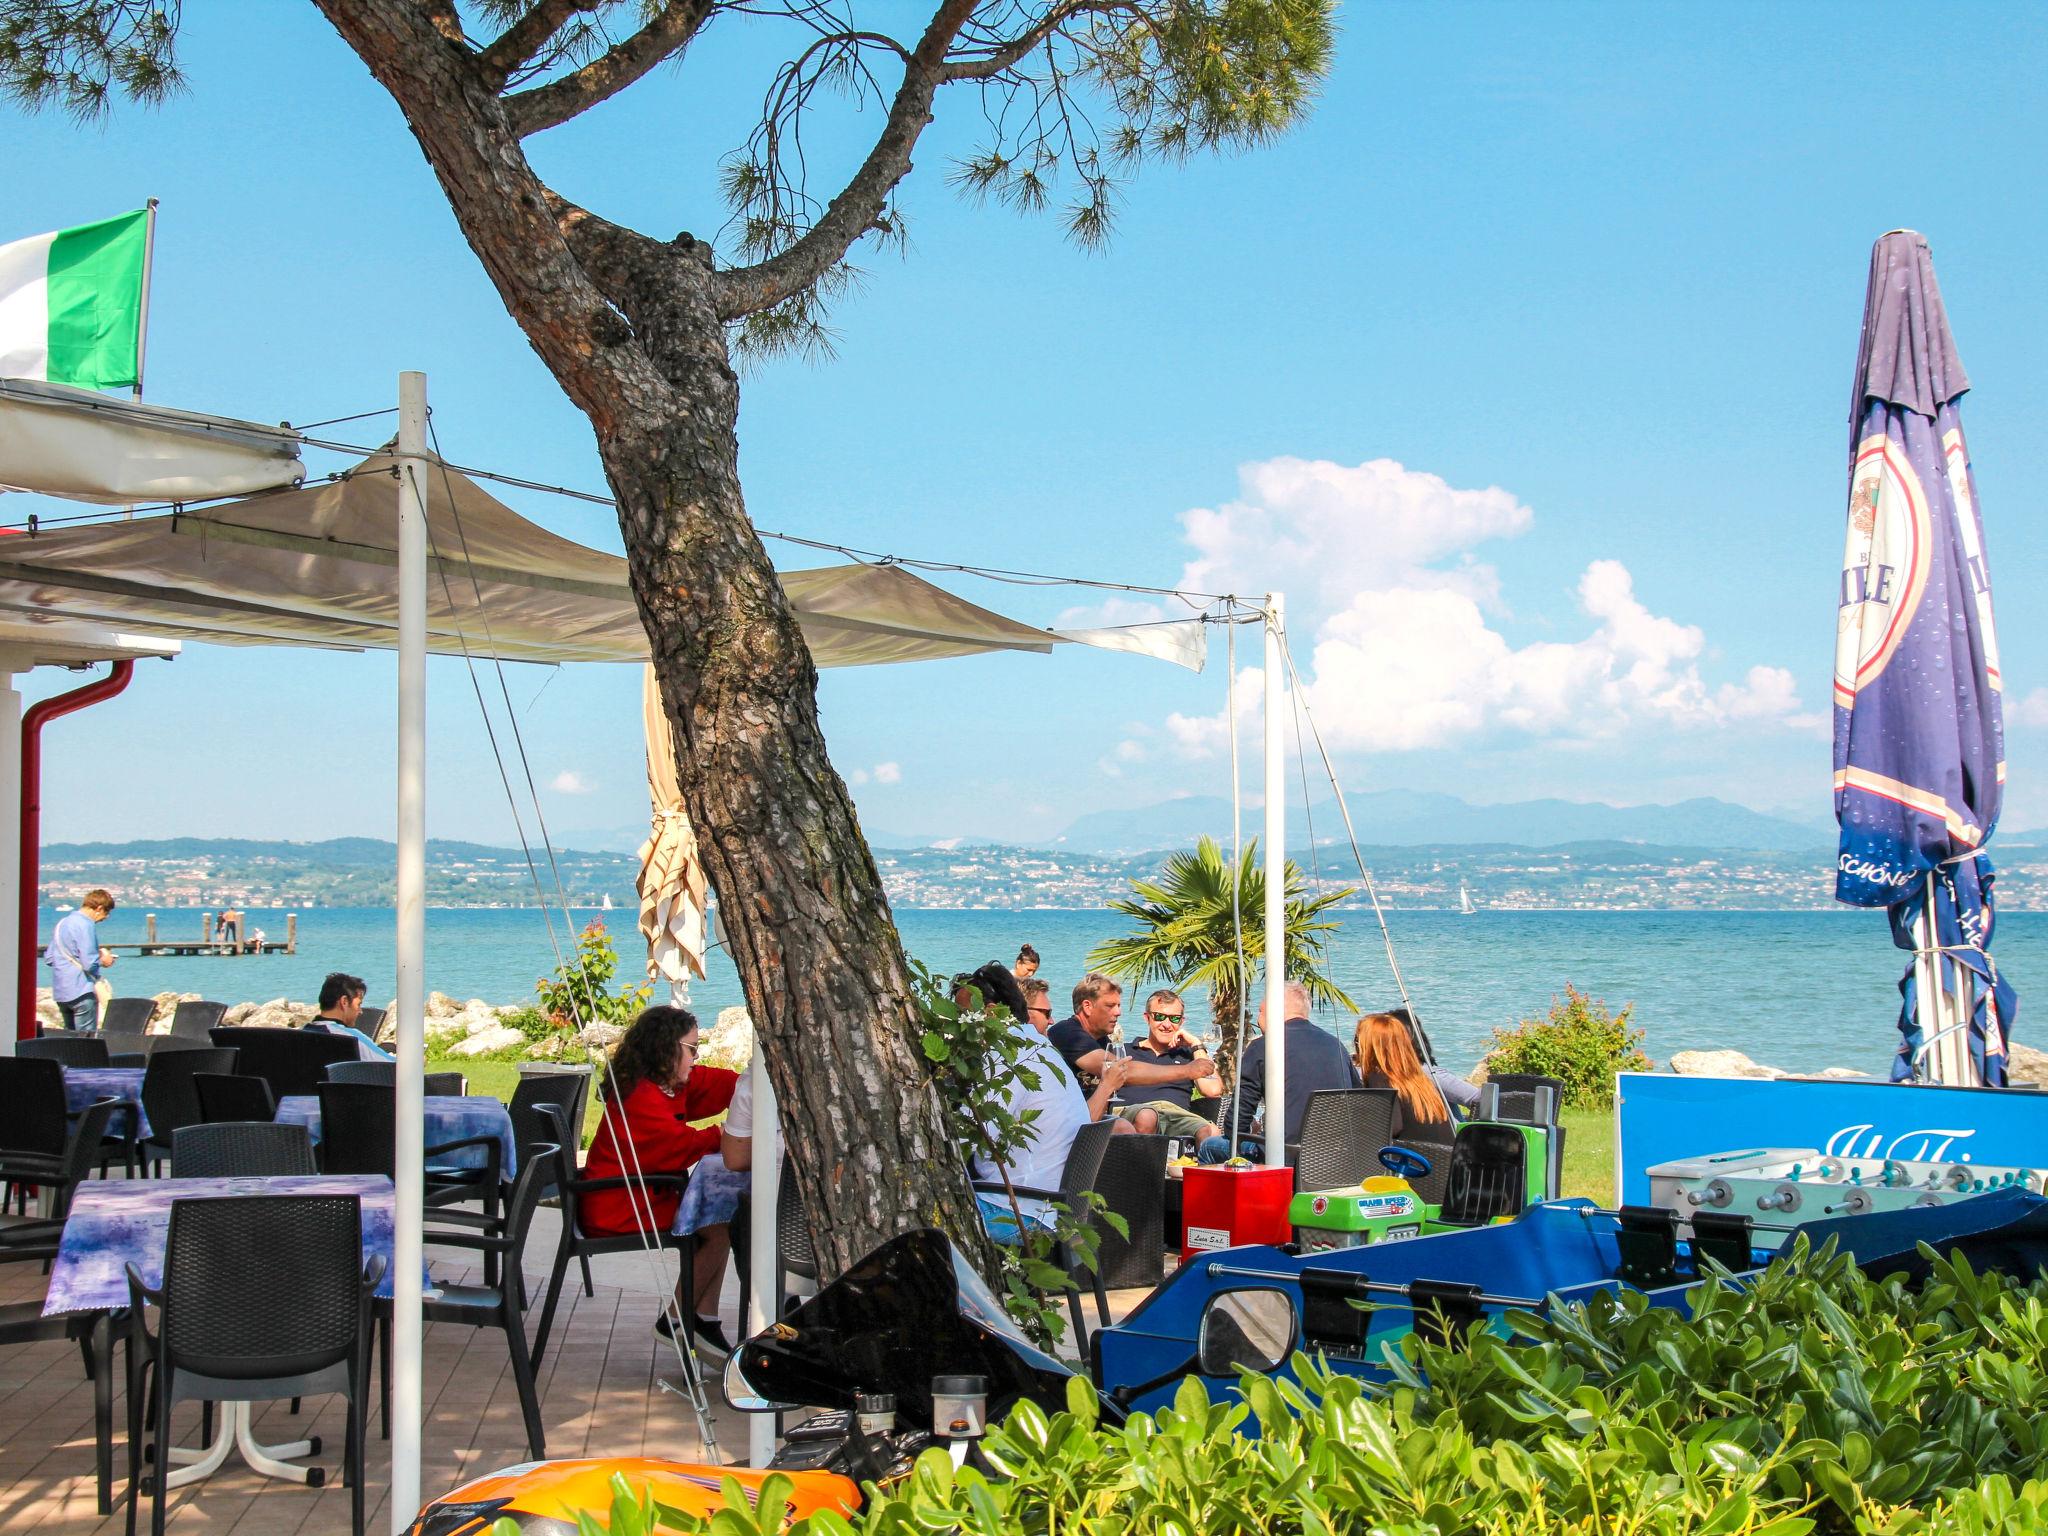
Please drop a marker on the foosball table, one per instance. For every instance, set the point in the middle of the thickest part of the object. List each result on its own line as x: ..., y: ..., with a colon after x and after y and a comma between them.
x: 1805, y: 1184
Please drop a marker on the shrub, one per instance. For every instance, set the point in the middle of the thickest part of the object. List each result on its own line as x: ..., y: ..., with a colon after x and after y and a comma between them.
x: 1815, y: 1400
x: 1579, y: 1042
x: 579, y: 993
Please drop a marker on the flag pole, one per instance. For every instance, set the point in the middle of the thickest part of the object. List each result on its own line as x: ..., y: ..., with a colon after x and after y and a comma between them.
x: 142, y: 318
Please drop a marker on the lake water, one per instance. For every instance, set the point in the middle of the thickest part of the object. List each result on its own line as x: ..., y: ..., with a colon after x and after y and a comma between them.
x: 1801, y: 990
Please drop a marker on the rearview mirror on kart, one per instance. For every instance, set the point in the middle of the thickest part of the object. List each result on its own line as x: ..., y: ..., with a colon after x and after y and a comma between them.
x: 1247, y: 1330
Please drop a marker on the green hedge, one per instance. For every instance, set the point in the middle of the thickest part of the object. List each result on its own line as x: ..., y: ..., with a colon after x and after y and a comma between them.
x: 1579, y: 1042
x: 1814, y: 1400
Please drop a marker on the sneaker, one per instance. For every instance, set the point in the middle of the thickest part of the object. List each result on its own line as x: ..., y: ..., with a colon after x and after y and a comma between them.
x: 710, y: 1335
x: 665, y: 1324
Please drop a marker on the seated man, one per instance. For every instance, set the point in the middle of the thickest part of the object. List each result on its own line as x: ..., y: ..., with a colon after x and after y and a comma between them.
x: 1088, y: 1041
x: 1059, y: 1111
x: 1165, y: 1107
x: 1315, y: 1060
x: 341, y: 1000
x: 1037, y: 1004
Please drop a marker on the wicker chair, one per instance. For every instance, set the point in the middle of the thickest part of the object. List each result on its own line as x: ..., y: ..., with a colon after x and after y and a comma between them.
x: 196, y: 1020
x: 34, y: 1128
x: 224, y: 1097
x: 358, y: 1129
x: 370, y: 1020
x: 60, y: 1176
x: 795, y: 1251
x: 584, y: 1246
x: 1430, y: 1187
x: 264, y: 1297
x: 169, y: 1100
x: 127, y: 1016
x: 292, y: 1061
x: 501, y: 1304
x: 1342, y: 1132
x: 382, y: 1073
x: 1082, y: 1170
x: 1132, y: 1183
x: 241, y: 1149
x: 1519, y: 1096
x: 70, y: 1050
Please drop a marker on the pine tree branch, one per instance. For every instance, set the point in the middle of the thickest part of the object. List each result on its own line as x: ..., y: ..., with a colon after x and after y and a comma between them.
x: 1007, y: 55
x: 666, y: 35
x: 519, y: 43
x: 744, y: 290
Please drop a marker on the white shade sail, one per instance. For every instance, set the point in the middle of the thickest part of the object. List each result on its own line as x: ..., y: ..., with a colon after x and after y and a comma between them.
x: 83, y: 446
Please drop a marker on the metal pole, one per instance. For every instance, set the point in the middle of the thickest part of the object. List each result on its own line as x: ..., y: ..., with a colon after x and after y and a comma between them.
x: 1926, y: 990
x: 142, y: 315
x: 409, y: 1152
x: 764, y: 1279
x: 13, y: 896
x: 1276, y: 884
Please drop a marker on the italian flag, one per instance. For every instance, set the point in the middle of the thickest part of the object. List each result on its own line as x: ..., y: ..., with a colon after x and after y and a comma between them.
x: 71, y: 304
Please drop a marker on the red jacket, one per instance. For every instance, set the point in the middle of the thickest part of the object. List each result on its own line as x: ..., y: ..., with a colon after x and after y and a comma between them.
x: 657, y: 1129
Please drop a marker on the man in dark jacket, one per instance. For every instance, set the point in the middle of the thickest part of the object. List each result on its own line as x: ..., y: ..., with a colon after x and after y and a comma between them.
x: 1315, y: 1060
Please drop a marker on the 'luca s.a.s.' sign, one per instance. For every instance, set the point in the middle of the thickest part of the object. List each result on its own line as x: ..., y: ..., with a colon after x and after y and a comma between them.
x: 1661, y: 1119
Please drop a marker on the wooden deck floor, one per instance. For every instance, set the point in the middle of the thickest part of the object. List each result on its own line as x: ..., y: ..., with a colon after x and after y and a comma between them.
x: 599, y: 1396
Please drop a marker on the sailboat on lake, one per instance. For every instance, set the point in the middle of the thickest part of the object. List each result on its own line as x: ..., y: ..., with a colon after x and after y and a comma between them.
x: 1465, y: 907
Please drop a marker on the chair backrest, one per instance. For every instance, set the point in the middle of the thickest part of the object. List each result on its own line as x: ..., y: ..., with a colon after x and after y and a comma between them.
x: 1433, y: 1185
x: 1489, y: 1175
x: 82, y: 1150
x: 193, y: 1020
x: 224, y: 1098
x: 370, y: 1020
x: 71, y: 1050
x: 385, y: 1072
x: 169, y: 1098
x: 262, y: 1286
x: 567, y: 1092
x: 447, y: 1085
x: 793, y: 1228
x: 358, y: 1123
x: 292, y: 1061
x: 1342, y: 1132
x: 127, y: 1015
x: 1519, y: 1096
x: 32, y: 1115
x: 1084, y: 1157
x: 241, y: 1149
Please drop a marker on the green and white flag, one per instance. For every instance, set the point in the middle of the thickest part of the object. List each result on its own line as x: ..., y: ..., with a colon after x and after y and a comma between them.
x: 71, y: 304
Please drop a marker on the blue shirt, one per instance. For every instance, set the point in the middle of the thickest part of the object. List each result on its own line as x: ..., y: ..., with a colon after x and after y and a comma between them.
x: 366, y: 1048
x: 73, y: 956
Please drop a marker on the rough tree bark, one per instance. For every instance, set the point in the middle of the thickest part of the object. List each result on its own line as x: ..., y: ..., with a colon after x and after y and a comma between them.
x: 634, y: 331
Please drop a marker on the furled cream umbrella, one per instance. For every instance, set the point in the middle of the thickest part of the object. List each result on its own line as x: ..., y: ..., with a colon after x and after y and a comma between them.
x: 671, y: 883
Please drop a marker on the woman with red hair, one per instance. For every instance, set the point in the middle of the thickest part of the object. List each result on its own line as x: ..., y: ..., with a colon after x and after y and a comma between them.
x: 1386, y: 1059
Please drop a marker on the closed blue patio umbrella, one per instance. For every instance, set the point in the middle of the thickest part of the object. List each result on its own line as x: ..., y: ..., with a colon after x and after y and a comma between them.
x: 1919, y: 732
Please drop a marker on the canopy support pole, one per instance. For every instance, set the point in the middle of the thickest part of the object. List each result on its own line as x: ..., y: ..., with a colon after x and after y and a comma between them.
x: 1276, y: 883
x: 1944, y: 1018
x: 13, y: 897
x: 764, y: 1273
x: 409, y: 1151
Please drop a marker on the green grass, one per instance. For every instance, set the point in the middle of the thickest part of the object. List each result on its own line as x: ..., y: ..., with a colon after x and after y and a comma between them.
x: 1588, y: 1154
x: 498, y: 1079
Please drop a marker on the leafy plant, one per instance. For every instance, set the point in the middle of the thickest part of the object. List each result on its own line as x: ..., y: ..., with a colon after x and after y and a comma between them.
x: 1190, y: 934
x: 1579, y: 1042
x: 579, y: 993
x: 1815, y: 1400
x: 975, y: 1054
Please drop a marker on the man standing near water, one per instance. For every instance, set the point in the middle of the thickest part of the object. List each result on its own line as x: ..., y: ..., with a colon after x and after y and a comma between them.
x: 75, y: 959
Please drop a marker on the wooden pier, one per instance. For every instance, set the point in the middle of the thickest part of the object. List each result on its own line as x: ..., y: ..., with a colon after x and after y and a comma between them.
x: 236, y: 941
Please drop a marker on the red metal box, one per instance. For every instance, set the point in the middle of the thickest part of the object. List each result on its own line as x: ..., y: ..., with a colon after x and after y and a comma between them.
x: 1227, y: 1207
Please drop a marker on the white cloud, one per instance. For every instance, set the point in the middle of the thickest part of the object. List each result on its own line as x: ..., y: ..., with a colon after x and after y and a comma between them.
x: 570, y: 782
x: 888, y: 773
x: 1401, y: 647
x: 858, y: 776
x: 1126, y: 752
x: 2031, y: 711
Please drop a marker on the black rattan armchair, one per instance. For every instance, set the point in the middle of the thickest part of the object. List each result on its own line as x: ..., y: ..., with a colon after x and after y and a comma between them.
x: 233, y: 1097
x: 230, y: 1149
x: 1084, y: 1164
x: 69, y: 1050
x: 169, y: 1099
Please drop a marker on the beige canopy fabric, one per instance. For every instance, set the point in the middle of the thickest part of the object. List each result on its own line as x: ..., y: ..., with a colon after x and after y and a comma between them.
x: 84, y: 446
x: 318, y: 566
x: 673, y: 891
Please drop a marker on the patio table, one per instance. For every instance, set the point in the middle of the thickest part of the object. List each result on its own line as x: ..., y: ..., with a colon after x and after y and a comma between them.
x: 84, y: 1086
x: 115, y: 1223
x: 447, y: 1118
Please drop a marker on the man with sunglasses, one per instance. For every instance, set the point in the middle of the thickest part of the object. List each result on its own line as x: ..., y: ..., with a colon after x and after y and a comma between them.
x: 1165, y: 1106
x: 1087, y: 1041
x: 1037, y: 1004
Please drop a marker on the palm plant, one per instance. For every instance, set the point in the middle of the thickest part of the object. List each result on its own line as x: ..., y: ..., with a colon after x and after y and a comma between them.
x: 1189, y: 934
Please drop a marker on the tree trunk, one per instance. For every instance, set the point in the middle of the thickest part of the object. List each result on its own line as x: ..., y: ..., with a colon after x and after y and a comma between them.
x: 627, y: 325
x: 1223, y: 1008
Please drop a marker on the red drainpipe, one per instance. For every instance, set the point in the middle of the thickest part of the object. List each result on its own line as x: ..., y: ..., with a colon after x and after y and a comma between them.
x: 32, y: 720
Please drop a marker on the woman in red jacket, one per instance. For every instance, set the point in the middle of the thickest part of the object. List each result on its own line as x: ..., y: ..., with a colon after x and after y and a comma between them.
x: 654, y: 1090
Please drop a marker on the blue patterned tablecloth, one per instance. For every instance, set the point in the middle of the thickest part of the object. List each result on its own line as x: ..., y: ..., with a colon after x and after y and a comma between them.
x: 85, y: 1085
x: 118, y: 1222
x: 713, y: 1196
x: 447, y: 1119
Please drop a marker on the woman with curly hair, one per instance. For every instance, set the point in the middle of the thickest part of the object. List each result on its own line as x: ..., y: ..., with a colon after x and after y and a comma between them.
x: 654, y: 1090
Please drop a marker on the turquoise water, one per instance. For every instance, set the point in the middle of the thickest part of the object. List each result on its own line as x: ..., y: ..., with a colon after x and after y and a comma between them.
x: 1801, y: 990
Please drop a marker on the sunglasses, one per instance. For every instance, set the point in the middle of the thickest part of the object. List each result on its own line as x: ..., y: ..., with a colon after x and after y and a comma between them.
x: 1166, y: 1018
x: 1046, y: 1011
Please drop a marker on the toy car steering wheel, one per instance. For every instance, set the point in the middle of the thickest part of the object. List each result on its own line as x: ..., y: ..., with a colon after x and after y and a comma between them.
x: 1404, y: 1164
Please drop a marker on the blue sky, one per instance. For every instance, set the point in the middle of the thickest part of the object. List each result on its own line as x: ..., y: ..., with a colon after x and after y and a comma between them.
x: 1523, y: 366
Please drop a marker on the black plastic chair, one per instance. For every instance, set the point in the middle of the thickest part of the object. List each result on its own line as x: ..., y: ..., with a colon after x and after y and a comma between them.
x: 382, y: 1073
x: 169, y: 1099
x: 231, y: 1149
x: 1132, y: 1183
x: 370, y: 1020
x: 60, y: 1176
x: 34, y: 1127
x: 501, y: 1303
x: 568, y: 1093
x: 292, y: 1061
x: 584, y: 1246
x: 127, y: 1016
x: 70, y: 1050
x: 233, y: 1097
x: 359, y: 1125
x: 1519, y: 1097
x: 196, y: 1020
x: 264, y: 1297
x: 1342, y: 1131
x: 1430, y: 1187
x: 1081, y: 1173
x: 795, y: 1251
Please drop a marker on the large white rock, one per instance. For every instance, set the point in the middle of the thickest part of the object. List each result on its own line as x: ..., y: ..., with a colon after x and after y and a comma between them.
x: 2024, y: 1064
x: 1719, y: 1064
x: 497, y: 1038
x: 440, y: 1005
x: 167, y: 1004
x: 729, y: 1042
